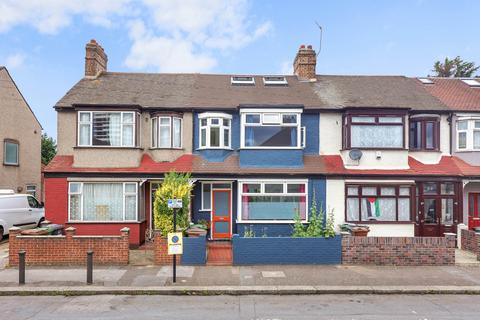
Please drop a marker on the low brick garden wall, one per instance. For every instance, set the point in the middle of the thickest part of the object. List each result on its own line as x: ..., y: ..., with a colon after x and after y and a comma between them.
x: 286, y: 250
x: 69, y: 249
x: 398, y: 251
x: 470, y: 241
x: 194, y: 251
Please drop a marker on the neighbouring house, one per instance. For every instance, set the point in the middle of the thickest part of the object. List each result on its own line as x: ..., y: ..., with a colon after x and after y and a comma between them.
x: 462, y: 96
x: 371, y: 149
x: 20, y: 136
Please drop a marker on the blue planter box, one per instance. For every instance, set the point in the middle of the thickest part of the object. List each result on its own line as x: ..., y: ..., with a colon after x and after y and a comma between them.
x: 194, y: 251
x: 286, y: 250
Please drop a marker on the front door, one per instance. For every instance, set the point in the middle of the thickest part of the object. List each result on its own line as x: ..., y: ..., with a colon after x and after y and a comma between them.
x: 221, y: 214
x: 473, y: 210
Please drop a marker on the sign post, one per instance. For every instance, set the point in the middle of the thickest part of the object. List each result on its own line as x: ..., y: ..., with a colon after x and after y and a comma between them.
x: 175, y: 239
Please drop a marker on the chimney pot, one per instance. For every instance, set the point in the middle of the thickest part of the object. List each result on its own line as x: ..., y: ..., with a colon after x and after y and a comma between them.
x: 305, y: 63
x: 95, y: 59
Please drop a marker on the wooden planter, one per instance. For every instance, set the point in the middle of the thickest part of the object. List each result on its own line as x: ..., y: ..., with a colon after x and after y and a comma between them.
x: 360, y: 232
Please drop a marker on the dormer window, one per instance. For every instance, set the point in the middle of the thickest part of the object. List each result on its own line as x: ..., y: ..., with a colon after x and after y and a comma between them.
x: 242, y: 81
x: 272, y: 128
x: 374, y: 131
x: 105, y: 128
x: 215, y: 130
x: 167, y: 131
x: 272, y: 81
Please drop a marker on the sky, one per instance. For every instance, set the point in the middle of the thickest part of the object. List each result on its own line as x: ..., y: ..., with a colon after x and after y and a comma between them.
x: 43, y: 41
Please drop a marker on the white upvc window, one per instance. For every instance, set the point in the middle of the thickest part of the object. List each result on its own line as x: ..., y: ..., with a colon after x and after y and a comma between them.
x: 272, y: 129
x: 468, y: 134
x: 276, y: 201
x: 31, y: 189
x: 167, y: 132
x: 10, y: 152
x: 215, y: 130
x: 207, y: 188
x: 106, y: 129
x: 102, y: 201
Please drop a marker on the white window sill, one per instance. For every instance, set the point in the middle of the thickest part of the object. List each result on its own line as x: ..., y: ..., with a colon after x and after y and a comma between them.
x: 268, y: 221
x: 214, y: 148
x: 165, y: 148
x: 271, y: 148
x: 467, y: 150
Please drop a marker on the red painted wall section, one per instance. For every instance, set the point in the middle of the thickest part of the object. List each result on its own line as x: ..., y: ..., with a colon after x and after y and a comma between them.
x: 56, y: 211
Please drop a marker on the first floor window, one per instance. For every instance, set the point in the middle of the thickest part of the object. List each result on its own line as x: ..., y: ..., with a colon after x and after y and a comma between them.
x: 167, y: 132
x: 275, y: 200
x: 215, y: 130
x: 468, y: 134
x: 378, y: 203
x: 98, y: 128
x: 374, y: 131
x: 103, y: 201
x: 424, y: 134
x: 10, y: 152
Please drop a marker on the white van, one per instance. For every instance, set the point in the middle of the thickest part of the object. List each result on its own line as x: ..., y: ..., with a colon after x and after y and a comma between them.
x: 19, y: 210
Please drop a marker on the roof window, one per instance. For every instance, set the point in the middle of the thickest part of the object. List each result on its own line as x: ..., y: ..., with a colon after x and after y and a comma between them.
x: 275, y: 81
x: 242, y: 81
x: 425, y: 80
x: 472, y: 82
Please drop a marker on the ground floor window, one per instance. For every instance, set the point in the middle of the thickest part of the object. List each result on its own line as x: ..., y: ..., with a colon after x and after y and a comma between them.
x: 378, y: 203
x: 103, y: 201
x: 31, y: 190
x: 272, y: 200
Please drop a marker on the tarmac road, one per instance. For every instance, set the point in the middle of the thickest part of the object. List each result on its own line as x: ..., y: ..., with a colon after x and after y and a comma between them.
x: 242, y: 307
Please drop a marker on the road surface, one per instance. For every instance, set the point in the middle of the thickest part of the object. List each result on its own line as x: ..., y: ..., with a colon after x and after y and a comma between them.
x: 242, y: 307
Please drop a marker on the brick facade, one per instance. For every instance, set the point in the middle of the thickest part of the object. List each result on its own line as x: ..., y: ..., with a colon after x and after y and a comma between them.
x: 399, y: 251
x: 305, y: 63
x: 160, y: 253
x: 470, y: 241
x: 69, y: 249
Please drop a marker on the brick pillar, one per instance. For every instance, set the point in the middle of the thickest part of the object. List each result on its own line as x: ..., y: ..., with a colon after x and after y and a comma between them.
x: 161, y: 256
x: 13, y: 246
x: 70, y: 232
x: 125, y: 255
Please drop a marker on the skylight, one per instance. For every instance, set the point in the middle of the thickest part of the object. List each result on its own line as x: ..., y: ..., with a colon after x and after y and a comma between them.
x: 275, y: 81
x: 425, y: 80
x: 243, y: 80
x: 472, y: 82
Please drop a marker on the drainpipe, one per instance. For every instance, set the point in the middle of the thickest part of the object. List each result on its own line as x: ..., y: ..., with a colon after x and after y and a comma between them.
x: 449, y: 119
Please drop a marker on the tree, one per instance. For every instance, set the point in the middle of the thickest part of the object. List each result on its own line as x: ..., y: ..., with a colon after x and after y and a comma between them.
x: 49, y: 148
x: 457, y: 68
x: 174, y: 186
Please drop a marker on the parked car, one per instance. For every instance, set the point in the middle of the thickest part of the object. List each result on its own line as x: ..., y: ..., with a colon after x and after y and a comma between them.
x: 19, y: 210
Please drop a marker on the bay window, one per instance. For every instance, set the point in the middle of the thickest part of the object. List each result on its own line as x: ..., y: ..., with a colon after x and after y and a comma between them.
x: 99, y: 128
x: 378, y: 203
x: 424, y: 134
x: 272, y: 129
x: 167, y: 132
x: 468, y: 134
x: 101, y: 202
x: 215, y: 130
x: 272, y: 201
x: 374, y: 131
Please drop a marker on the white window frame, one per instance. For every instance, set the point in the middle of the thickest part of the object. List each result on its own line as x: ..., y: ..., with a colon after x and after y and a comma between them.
x: 211, y: 183
x: 5, y: 153
x: 263, y: 113
x: 155, y: 131
x: 123, y: 123
x: 208, y: 116
x: 80, y: 192
x: 262, y: 183
x: 31, y: 186
x: 469, y: 133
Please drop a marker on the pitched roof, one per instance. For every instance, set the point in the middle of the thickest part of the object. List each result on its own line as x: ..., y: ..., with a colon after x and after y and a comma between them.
x: 214, y: 91
x: 454, y: 93
x: 373, y: 91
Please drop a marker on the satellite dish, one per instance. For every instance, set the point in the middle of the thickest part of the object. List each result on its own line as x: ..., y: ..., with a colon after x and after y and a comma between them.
x: 355, y: 154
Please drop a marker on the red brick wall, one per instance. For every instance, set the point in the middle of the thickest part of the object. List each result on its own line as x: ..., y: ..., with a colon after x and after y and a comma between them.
x: 399, y: 251
x: 469, y: 241
x: 56, y: 211
x: 69, y: 249
x: 160, y: 252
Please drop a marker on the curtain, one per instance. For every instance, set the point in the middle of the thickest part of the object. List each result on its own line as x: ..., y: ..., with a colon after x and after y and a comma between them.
x: 352, y: 209
x: 102, y: 202
x: 293, y: 137
x: 376, y: 136
x: 84, y: 134
x: 127, y: 132
x: 177, y: 133
x: 249, y: 136
x: 403, y: 209
x: 75, y: 207
x: 114, y: 127
x: 381, y: 209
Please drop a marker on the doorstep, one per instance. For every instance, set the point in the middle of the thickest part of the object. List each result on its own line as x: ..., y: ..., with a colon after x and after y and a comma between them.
x: 219, y: 253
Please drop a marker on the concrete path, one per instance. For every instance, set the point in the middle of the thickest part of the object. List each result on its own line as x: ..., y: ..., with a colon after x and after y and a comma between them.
x: 243, y: 307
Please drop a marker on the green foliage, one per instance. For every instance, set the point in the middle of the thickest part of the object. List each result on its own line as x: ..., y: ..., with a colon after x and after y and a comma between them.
x: 456, y: 68
x: 329, y: 226
x: 298, y: 227
x: 49, y: 148
x: 249, y: 233
x: 174, y: 186
x: 316, y: 227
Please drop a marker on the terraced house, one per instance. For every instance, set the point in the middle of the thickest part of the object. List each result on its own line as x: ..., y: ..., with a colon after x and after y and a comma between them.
x: 386, y: 151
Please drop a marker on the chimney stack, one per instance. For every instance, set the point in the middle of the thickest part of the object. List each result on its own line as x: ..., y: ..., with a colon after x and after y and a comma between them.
x: 305, y: 63
x: 95, y: 59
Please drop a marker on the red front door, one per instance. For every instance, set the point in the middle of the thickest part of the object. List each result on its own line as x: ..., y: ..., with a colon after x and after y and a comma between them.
x: 221, y: 214
x: 473, y: 210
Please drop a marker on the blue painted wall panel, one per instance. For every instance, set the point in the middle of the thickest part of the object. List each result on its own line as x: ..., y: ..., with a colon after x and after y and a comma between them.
x: 311, y: 122
x: 194, y: 251
x: 251, y: 251
x: 266, y: 158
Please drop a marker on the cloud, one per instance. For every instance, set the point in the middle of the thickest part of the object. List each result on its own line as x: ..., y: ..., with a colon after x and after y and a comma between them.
x: 179, y: 36
x: 15, y: 60
x: 49, y: 16
x: 286, y: 68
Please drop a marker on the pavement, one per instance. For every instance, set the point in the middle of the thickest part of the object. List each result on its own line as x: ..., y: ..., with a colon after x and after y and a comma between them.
x: 260, y: 307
